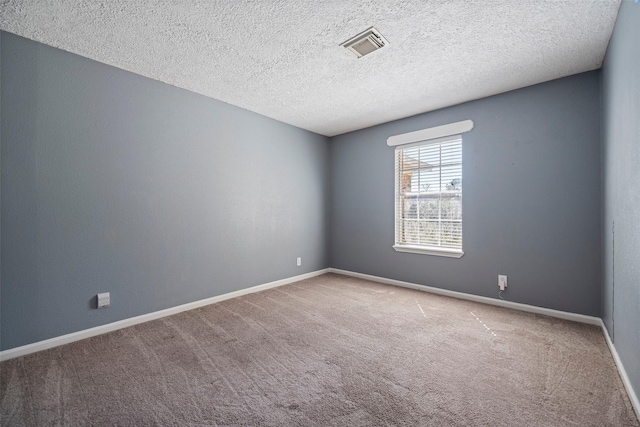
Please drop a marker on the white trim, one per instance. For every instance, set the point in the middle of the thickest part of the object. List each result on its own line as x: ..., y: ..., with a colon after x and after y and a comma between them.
x: 426, y: 143
x: 470, y: 297
x: 109, y: 327
x: 425, y: 250
x: 99, y: 330
x: 633, y: 397
x: 430, y: 133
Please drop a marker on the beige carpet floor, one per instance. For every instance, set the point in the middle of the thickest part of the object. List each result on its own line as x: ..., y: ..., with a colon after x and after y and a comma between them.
x: 328, y: 351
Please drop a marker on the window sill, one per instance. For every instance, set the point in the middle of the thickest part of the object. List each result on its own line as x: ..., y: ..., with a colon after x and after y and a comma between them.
x: 425, y: 250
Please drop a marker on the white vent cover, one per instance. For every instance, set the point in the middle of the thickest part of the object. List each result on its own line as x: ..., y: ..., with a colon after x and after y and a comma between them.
x: 366, y: 42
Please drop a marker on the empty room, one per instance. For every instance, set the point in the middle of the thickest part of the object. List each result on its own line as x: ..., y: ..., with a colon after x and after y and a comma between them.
x: 340, y: 213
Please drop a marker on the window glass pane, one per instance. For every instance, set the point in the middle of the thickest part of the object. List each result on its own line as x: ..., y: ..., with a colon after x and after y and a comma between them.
x: 451, y: 153
x: 429, y: 181
x: 451, y: 234
x: 411, y: 232
x: 410, y: 208
x: 429, y: 207
x: 429, y: 232
x: 430, y: 156
x: 451, y: 178
x: 451, y: 207
x: 410, y: 158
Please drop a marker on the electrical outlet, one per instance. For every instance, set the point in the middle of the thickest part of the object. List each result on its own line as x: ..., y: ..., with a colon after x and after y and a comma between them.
x: 299, y: 261
x: 104, y: 300
x: 502, y: 281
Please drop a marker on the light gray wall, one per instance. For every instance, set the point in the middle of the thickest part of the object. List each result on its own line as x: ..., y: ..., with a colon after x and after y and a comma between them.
x: 531, y: 198
x: 115, y: 182
x: 621, y: 173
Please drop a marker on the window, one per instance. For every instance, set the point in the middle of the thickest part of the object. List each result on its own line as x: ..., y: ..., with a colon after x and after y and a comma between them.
x: 428, y: 194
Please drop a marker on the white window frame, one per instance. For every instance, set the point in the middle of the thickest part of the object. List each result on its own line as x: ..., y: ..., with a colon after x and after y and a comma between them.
x: 435, y: 135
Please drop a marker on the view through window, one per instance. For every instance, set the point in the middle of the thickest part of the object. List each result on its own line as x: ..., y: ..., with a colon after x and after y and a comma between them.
x: 429, y: 195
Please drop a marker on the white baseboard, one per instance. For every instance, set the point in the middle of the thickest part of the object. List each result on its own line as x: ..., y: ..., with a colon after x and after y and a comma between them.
x: 103, y: 329
x: 633, y: 397
x: 109, y: 327
x: 461, y: 295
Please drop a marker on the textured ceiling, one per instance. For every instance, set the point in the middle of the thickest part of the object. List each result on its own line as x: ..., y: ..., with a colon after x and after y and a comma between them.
x: 282, y: 59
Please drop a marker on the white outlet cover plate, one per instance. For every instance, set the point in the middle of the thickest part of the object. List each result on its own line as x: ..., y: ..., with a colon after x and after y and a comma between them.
x: 502, y: 282
x: 104, y: 300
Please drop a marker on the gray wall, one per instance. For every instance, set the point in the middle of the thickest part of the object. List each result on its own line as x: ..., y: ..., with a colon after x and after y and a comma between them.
x: 115, y: 182
x: 621, y: 173
x: 531, y: 198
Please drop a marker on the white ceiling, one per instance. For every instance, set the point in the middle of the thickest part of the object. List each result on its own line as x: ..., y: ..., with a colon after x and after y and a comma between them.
x: 282, y: 59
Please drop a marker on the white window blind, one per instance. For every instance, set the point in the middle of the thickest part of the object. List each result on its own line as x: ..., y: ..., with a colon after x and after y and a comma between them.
x: 429, y: 196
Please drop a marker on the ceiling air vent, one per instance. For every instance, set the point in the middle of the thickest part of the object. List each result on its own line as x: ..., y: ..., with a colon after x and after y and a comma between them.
x: 366, y: 42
